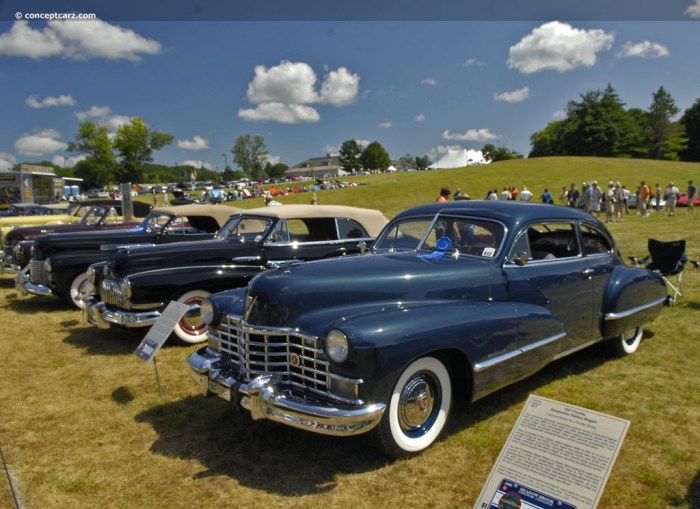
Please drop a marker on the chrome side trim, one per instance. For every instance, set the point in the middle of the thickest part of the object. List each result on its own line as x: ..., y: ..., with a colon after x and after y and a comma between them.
x: 629, y: 312
x: 481, y: 366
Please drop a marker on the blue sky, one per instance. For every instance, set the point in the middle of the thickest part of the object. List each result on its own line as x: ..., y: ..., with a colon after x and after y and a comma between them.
x: 415, y: 86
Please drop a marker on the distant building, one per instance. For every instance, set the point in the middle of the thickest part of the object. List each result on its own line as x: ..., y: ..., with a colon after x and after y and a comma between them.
x: 318, y: 167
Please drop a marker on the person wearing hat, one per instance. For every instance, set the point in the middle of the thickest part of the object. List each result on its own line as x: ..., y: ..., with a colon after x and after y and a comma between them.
x: 596, y: 196
x: 609, y: 202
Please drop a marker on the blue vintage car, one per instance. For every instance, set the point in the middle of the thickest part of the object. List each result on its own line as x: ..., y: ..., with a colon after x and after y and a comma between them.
x: 454, y: 298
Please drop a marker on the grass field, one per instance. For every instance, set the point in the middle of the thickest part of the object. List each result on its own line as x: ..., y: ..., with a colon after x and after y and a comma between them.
x: 82, y: 423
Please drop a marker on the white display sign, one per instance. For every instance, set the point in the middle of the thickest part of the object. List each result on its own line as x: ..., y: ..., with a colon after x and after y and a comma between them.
x: 557, y: 455
x: 159, y: 331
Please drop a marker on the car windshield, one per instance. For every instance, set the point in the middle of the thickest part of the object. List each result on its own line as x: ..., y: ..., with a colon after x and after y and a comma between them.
x: 443, y: 233
x: 93, y: 215
x: 156, y: 221
x: 246, y: 229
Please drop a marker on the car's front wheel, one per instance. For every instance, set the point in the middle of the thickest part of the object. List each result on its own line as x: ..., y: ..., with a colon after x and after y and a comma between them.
x: 627, y: 342
x: 75, y: 293
x: 418, y: 408
x: 191, y: 328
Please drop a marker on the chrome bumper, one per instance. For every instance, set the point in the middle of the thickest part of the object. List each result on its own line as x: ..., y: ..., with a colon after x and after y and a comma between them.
x: 98, y: 314
x: 6, y: 265
x: 21, y: 280
x: 265, y: 400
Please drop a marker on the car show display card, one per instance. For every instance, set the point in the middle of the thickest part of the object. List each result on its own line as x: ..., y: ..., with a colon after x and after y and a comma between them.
x: 159, y: 331
x: 557, y: 455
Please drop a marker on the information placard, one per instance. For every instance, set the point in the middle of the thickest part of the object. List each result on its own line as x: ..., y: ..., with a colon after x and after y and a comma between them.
x: 159, y: 331
x: 556, y: 454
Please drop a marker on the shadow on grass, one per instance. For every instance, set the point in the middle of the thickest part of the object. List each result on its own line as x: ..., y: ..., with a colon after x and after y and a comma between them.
x: 290, y: 462
x: 261, y: 455
x: 112, y: 341
x: 36, y: 304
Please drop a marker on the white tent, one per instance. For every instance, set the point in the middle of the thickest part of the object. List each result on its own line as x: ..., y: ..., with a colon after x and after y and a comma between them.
x: 458, y: 158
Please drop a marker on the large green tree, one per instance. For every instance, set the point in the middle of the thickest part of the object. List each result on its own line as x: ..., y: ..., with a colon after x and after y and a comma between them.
x: 349, y: 156
x: 493, y: 153
x: 135, y: 143
x: 691, y: 121
x: 374, y: 157
x: 100, y: 165
x: 666, y: 138
x: 250, y: 154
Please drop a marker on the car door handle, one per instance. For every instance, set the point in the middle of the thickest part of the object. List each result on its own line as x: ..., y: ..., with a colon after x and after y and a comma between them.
x: 587, y: 273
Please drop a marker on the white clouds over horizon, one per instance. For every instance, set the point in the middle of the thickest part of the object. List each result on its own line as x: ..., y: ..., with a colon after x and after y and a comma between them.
x: 40, y: 143
x: 196, y: 143
x: 7, y: 161
x: 514, y: 96
x: 470, y: 135
x: 76, y: 40
x: 103, y: 115
x: 558, y: 46
x: 646, y: 49
x: 694, y: 10
x: 429, y: 81
x: 48, y: 102
x: 283, y: 93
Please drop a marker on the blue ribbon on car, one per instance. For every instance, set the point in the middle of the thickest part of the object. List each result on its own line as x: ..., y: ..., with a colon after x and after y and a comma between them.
x: 441, y: 246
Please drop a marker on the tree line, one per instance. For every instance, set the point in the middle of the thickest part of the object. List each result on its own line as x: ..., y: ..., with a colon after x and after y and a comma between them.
x: 599, y: 125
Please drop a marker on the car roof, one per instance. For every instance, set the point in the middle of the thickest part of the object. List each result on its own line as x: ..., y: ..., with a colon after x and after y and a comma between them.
x: 221, y: 213
x: 371, y: 219
x: 511, y: 213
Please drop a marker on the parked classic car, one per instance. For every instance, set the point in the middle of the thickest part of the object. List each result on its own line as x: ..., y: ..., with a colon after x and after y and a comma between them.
x: 97, y: 215
x: 137, y: 284
x: 463, y: 296
x: 59, y: 261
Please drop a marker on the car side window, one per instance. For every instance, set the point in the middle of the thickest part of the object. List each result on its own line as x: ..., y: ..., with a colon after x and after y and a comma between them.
x: 594, y: 241
x: 547, y: 241
x: 350, y: 229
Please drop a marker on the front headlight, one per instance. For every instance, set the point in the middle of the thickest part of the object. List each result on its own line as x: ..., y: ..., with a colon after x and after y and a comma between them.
x: 125, y: 287
x: 337, y: 346
x: 47, y: 265
x: 210, y: 313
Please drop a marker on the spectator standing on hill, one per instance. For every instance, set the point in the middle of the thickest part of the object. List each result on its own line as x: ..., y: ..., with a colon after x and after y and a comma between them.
x: 609, y: 202
x: 444, y: 194
x: 505, y: 194
x: 563, y: 196
x: 691, y: 197
x: 574, y: 196
x: 546, y: 196
x: 644, y: 195
x: 492, y: 195
x: 658, y: 197
x: 619, y: 202
x: 525, y: 194
x: 596, y: 196
x: 671, y: 196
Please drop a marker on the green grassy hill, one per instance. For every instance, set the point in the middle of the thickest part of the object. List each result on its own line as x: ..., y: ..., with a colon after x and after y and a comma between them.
x: 393, y: 192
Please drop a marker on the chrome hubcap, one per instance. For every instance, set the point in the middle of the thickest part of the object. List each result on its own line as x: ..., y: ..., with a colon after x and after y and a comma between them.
x: 416, y: 403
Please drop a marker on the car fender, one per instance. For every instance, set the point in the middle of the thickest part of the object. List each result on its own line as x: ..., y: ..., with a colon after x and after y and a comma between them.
x: 479, y: 337
x: 633, y: 297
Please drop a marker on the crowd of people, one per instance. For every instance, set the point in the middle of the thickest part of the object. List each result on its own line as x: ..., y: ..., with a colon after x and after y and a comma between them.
x: 614, y: 200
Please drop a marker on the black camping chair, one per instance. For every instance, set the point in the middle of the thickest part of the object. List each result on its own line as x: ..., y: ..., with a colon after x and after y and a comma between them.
x: 669, y: 260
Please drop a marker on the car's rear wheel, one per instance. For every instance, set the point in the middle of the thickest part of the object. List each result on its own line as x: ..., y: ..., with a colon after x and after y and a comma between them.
x: 191, y: 328
x: 627, y: 342
x: 418, y: 408
x: 79, y: 284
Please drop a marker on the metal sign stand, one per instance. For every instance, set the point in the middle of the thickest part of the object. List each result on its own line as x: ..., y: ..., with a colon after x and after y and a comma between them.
x: 161, y: 387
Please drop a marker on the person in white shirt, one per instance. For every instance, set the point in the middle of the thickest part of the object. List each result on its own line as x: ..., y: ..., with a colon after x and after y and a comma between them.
x: 525, y: 194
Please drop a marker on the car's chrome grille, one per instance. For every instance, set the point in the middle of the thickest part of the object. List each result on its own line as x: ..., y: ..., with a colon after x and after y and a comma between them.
x: 255, y: 351
x: 111, y: 294
x: 37, y: 272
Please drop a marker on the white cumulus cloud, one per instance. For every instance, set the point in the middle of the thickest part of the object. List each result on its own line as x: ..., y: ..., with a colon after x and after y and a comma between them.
x: 40, y: 143
x: 558, y: 46
x: 283, y: 93
x: 69, y: 162
x: 420, y: 117
x: 514, y: 96
x: 7, y: 161
x: 470, y: 135
x: 646, y: 49
x: 384, y: 125
x: 62, y: 100
x: 694, y: 10
x: 103, y: 115
x: 76, y: 40
x: 429, y: 81
x: 196, y: 143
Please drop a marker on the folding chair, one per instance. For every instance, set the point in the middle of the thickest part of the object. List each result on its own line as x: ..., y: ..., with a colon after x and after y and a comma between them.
x: 669, y: 260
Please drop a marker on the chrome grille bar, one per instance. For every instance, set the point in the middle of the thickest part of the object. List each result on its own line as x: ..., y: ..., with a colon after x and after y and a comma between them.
x: 37, y: 272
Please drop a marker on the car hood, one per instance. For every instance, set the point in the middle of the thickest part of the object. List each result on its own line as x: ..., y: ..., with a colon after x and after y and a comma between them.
x: 30, y: 232
x: 280, y: 297
x: 91, y: 239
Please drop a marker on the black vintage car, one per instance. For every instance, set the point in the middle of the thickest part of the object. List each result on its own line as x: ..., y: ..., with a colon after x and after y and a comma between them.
x: 93, y: 216
x: 459, y: 297
x: 59, y: 261
x: 136, y: 284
